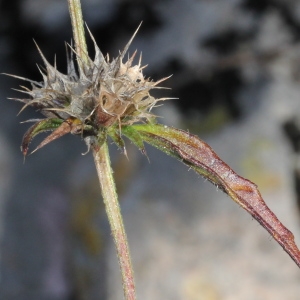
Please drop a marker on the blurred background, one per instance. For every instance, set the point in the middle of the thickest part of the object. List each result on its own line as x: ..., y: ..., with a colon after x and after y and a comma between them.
x: 236, y: 74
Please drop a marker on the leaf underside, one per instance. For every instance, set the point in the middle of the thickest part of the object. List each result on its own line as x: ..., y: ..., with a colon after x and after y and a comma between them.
x: 198, y: 155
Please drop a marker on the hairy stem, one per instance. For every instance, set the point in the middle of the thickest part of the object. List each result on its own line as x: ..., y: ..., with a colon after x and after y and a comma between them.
x: 102, y: 162
x: 78, y: 31
x: 112, y: 207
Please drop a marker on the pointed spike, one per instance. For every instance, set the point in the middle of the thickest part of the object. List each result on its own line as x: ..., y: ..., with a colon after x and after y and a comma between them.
x: 28, y: 92
x: 117, y: 62
x: 43, y: 74
x: 52, y: 72
x: 31, y: 120
x: 99, y: 58
x: 130, y: 60
x: 71, y: 71
x: 166, y: 98
x: 18, y: 99
x: 143, y: 67
x: 28, y: 104
x: 25, y: 90
x: 140, y: 60
x: 81, y: 70
x: 23, y: 78
x: 47, y: 64
x: 160, y: 88
x: 121, y: 56
x: 82, y: 75
x: 161, y: 80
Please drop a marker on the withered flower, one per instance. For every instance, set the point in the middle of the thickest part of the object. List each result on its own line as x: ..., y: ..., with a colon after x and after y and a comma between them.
x: 94, y: 102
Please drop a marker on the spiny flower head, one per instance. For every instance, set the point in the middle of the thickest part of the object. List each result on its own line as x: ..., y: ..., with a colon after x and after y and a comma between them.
x: 101, y: 97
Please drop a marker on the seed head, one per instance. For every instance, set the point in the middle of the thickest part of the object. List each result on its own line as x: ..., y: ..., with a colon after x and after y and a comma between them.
x: 100, y: 96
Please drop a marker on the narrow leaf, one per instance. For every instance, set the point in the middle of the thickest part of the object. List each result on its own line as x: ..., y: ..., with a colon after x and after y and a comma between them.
x: 40, y: 126
x: 198, y: 155
x: 71, y: 125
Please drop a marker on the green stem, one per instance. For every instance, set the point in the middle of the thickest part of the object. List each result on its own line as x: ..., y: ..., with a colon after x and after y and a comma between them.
x: 103, y: 166
x: 78, y: 31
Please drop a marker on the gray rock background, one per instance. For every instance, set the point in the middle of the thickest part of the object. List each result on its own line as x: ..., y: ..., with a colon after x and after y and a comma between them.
x: 188, y: 240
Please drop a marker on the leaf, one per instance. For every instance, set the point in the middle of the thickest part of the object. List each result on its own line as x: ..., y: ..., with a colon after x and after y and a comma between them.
x: 70, y: 125
x: 198, y: 155
x: 116, y: 137
x: 40, y: 126
x: 131, y: 133
x: 58, y: 126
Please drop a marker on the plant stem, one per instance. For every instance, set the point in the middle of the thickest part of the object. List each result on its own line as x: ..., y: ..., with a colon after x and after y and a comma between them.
x: 78, y: 31
x: 102, y: 162
x: 103, y: 166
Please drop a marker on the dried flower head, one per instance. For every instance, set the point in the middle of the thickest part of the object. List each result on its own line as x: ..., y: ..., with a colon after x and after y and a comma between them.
x: 100, y: 97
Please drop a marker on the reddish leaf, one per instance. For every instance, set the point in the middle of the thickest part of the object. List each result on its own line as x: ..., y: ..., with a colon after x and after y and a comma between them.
x: 41, y: 126
x: 70, y: 125
x: 197, y: 154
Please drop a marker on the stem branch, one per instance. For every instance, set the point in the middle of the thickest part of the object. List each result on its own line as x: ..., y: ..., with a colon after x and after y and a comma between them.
x: 103, y: 166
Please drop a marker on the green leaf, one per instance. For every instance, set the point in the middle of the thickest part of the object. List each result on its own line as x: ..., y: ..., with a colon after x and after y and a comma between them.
x: 132, y: 134
x: 200, y: 156
x: 41, y: 126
